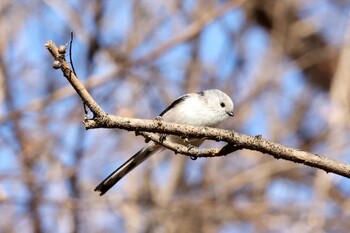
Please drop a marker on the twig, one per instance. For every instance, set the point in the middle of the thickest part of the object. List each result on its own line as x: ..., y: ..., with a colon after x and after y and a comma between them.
x: 70, y: 52
x: 189, y: 151
x: 73, y: 80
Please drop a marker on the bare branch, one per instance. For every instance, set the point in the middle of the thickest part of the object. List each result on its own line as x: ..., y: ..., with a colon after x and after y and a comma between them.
x: 235, y: 140
x: 256, y: 143
x: 190, y: 151
x: 60, y: 62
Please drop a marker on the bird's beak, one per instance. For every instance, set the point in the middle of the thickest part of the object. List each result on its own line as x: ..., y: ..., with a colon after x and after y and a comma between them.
x: 230, y: 113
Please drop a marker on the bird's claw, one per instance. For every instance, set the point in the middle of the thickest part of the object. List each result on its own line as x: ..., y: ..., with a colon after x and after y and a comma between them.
x: 162, y: 138
x: 189, y: 147
x: 159, y: 120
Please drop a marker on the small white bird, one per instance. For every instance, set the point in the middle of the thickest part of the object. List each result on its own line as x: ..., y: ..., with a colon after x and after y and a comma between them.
x: 205, y: 108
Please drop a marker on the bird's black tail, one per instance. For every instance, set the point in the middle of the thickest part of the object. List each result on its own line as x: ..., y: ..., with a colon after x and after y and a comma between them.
x: 124, y: 169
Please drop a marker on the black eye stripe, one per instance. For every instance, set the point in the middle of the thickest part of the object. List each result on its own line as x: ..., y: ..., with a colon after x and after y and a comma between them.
x: 222, y: 104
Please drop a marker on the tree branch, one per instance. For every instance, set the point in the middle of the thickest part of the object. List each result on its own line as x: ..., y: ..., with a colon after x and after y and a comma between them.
x: 61, y: 63
x: 190, y: 151
x: 147, y: 128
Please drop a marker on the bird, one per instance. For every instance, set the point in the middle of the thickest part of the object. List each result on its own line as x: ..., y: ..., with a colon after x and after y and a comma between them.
x: 203, y: 108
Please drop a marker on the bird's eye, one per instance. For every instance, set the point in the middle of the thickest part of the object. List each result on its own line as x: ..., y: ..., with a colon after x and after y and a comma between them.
x: 222, y: 104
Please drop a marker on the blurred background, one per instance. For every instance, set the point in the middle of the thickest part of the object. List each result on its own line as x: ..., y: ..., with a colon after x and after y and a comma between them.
x: 285, y: 64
